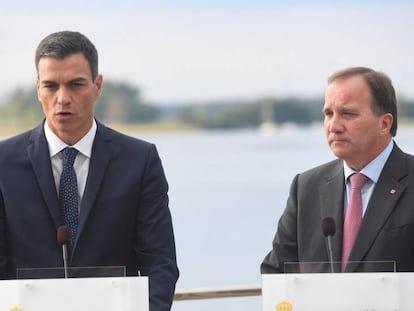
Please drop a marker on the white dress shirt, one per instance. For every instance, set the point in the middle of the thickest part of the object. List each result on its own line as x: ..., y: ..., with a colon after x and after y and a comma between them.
x: 81, y: 165
x: 372, y: 170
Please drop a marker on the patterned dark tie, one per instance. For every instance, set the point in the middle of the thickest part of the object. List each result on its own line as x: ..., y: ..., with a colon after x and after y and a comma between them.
x: 68, y: 192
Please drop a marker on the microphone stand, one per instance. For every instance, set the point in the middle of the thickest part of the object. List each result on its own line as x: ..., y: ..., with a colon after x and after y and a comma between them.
x: 330, y: 253
x: 63, y: 237
x: 328, y: 229
x: 65, y: 259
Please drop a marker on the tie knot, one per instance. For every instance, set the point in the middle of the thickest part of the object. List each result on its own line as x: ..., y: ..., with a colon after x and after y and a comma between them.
x: 69, y: 155
x: 358, y: 180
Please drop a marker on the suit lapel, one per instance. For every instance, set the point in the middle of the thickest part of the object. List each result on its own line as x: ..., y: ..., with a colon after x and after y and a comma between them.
x: 97, y: 166
x: 331, y: 195
x: 38, y: 152
x: 384, y: 199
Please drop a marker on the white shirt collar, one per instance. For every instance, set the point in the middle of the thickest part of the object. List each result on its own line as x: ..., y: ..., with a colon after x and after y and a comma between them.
x: 84, y: 145
x: 374, y: 168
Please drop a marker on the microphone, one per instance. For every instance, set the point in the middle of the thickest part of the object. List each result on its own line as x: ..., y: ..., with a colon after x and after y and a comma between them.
x: 63, y: 237
x: 328, y: 229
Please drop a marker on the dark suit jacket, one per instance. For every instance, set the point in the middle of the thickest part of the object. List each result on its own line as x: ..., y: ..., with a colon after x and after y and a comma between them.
x: 124, y: 216
x: 386, y: 232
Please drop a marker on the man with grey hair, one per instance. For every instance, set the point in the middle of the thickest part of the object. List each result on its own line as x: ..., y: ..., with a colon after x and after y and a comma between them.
x: 374, y: 223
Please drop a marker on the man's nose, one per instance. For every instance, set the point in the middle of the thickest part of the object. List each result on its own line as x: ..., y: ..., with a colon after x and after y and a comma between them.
x: 335, y: 124
x: 63, y: 96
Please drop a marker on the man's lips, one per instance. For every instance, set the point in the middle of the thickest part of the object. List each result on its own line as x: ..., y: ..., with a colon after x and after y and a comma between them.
x: 64, y: 113
x: 338, y: 140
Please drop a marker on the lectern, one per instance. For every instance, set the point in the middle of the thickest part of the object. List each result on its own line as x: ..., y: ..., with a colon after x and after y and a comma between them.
x: 95, y: 293
x: 372, y: 291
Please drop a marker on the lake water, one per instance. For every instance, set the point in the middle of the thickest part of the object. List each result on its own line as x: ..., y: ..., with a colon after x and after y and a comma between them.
x: 227, y: 192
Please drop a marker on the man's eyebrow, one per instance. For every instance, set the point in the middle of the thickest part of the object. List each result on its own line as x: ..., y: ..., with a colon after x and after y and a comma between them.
x: 325, y: 109
x: 47, y: 81
x: 345, y: 108
x: 79, y: 79
x: 342, y: 108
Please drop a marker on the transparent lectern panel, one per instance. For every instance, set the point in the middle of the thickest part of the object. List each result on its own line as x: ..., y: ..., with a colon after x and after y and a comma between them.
x: 70, y: 272
x: 333, y: 267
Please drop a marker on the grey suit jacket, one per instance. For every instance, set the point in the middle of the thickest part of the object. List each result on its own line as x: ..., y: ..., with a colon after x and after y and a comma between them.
x: 124, y: 216
x: 387, y: 228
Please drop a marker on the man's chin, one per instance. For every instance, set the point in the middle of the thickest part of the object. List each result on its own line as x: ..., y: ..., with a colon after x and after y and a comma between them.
x: 340, y: 152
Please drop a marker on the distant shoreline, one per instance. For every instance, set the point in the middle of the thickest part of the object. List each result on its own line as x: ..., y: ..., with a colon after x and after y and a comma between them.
x: 11, y: 129
x: 14, y: 129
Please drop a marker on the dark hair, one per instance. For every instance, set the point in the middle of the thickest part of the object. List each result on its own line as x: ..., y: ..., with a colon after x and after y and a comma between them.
x: 65, y: 43
x: 380, y: 85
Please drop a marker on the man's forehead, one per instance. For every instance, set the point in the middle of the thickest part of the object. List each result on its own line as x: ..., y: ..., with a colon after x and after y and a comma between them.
x: 74, y: 66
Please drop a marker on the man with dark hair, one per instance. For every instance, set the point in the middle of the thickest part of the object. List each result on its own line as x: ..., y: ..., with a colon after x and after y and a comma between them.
x: 377, y: 225
x: 117, y: 204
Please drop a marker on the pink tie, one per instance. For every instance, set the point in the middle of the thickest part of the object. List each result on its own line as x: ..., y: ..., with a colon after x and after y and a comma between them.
x: 353, y: 215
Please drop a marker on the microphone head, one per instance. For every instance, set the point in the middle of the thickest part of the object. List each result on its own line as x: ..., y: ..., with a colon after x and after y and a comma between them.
x: 63, y: 235
x: 328, y: 226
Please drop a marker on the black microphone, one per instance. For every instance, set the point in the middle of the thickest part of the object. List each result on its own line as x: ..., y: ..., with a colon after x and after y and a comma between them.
x: 328, y: 229
x: 63, y: 237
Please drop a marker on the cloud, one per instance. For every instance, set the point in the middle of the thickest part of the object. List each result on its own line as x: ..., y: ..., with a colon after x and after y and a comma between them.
x: 178, y: 54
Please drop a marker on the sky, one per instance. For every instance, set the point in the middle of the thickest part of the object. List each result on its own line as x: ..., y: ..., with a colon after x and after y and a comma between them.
x: 200, y: 50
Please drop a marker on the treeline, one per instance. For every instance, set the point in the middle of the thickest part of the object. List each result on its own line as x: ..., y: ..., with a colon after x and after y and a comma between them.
x: 122, y: 103
x: 119, y: 103
x: 239, y: 114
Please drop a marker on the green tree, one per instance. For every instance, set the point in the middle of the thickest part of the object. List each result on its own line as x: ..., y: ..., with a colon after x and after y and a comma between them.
x: 21, y: 106
x: 122, y: 103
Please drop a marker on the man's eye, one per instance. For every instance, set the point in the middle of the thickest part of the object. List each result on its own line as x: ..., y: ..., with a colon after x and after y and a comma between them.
x: 348, y: 113
x: 49, y: 85
x: 77, y: 84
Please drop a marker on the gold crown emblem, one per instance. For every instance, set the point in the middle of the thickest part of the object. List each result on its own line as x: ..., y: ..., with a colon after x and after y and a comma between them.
x: 284, y: 306
x: 16, y: 309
